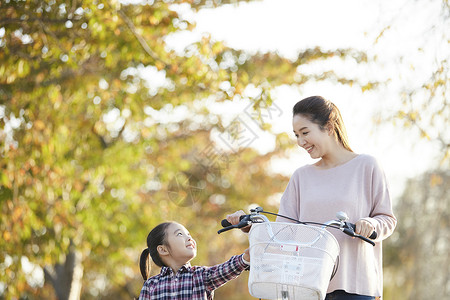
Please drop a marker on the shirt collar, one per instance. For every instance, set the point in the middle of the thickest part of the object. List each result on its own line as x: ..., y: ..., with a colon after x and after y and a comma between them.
x: 185, y: 267
x: 167, y: 271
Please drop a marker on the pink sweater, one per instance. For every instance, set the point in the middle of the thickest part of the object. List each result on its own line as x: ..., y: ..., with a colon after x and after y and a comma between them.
x: 358, y: 188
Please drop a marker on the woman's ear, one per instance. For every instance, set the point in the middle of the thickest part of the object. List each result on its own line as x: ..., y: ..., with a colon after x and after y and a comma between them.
x: 162, y: 250
x: 329, y: 128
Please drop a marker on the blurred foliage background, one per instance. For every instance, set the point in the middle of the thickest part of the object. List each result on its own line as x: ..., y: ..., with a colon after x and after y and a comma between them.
x: 106, y: 132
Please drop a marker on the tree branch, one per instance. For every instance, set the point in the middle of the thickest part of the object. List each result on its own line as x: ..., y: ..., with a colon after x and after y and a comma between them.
x: 7, y: 21
x: 140, y: 39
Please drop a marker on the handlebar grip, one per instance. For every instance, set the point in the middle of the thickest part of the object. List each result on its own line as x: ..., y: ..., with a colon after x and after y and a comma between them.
x: 372, y: 236
x: 351, y: 232
x: 244, y: 221
x: 225, y: 222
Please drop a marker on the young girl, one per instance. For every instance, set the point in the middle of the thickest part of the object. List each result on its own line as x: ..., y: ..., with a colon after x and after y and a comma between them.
x: 171, y: 247
x: 340, y: 180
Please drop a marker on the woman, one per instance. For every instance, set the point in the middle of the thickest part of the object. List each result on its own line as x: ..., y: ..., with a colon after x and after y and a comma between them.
x: 340, y: 180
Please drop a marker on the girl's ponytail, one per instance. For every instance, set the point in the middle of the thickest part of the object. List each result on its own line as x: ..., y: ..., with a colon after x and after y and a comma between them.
x: 155, y: 238
x: 144, y: 264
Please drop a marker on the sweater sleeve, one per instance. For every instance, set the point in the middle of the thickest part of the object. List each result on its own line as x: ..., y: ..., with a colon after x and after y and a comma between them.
x: 381, y: 215
x: 218, y: 275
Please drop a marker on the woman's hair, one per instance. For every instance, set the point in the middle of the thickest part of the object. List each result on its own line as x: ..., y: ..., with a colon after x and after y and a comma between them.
x: 323, y: 112
x: 155, y: 238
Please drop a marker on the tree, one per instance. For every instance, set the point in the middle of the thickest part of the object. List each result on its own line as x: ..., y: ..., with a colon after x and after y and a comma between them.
x: 418, y: 250
x: 425, y: 106
x: 94, y: 153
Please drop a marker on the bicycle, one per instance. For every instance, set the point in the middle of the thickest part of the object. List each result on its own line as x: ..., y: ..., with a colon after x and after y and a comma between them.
x: 292, y: 261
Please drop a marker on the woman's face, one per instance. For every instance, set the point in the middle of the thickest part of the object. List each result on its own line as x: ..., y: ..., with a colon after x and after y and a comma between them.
x: 310, y: 137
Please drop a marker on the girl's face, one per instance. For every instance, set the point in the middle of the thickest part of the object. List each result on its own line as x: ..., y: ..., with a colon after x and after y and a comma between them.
x: 310, y: 137
x: 182, y: 246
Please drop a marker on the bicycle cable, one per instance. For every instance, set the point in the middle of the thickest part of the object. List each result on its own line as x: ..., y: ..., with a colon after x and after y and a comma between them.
x: 298, y: 221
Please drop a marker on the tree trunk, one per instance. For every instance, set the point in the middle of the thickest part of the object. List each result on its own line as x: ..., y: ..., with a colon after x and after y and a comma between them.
x: 66, y: 277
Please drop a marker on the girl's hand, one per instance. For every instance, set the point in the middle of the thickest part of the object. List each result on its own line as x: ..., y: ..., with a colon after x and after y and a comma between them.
x: 234, y: 219
x: 364, y: 228
x: 247, y: 255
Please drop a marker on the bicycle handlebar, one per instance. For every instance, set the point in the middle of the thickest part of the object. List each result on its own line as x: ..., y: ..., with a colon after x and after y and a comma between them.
x: 346, y: 227
x: 349, y: 229
x: 244, y: 221
x: 225, y: 222
x: 353, y: 226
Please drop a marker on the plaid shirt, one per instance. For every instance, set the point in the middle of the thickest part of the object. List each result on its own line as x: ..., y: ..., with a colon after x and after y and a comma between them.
x: 191, y: 283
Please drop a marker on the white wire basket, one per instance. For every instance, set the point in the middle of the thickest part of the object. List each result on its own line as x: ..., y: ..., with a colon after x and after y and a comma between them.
x: 290, y: 261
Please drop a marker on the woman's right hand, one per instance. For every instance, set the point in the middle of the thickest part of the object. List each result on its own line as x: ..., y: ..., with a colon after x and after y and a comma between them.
x: 234, y: 219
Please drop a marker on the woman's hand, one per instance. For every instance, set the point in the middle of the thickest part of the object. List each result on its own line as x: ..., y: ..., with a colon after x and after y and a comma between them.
x: 364, y: 228
x: 234, y: 219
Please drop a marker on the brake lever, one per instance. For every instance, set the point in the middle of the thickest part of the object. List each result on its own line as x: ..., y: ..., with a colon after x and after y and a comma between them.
x: 226, y: 229
x: 350, y: 231
x: 244, y: 222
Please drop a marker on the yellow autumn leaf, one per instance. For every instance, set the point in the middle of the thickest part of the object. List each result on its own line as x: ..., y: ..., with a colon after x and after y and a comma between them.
x: 39, y: 125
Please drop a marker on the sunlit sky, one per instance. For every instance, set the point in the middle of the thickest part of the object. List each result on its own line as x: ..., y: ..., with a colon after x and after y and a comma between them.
x: 289, y: 26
